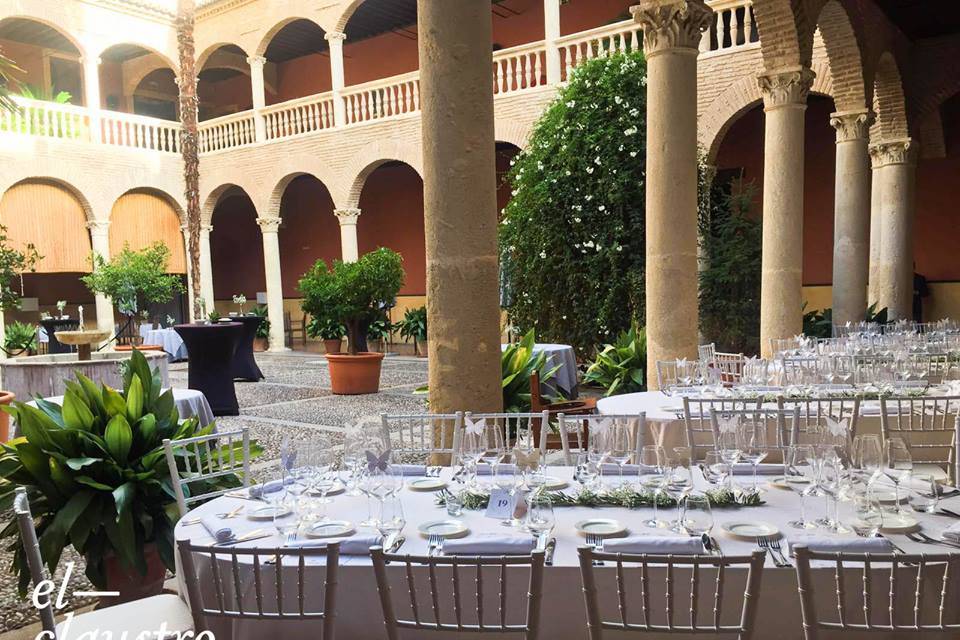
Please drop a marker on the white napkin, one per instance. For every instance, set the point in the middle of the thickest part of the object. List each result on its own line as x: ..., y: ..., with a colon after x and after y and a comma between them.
x: 217, y: 529
x: 664, y: 545
x: 410, y: 469
x: 274, y: 485
x: 869, y: 409
x: 746, y: 469
x: 952, y: 533
x: 487, y: 470
x: 823, y: 544
x: 356, y: 545
x: 609, y: 468
x: 491, y: 544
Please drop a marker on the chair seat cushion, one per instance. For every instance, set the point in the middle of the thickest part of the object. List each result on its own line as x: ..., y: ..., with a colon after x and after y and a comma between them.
x: 132, y: 618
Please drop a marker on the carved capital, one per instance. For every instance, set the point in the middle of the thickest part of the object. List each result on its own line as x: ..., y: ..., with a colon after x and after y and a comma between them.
x: 785, y: 87
x: 347, y: 216
x: 671, y: 24
x: 98, y: 227
x: 257, y: 61
x: 269, y: 225
x: 206, y: 228
x: 892, y: 152
x: 330, y: 36
x: 852, y: 125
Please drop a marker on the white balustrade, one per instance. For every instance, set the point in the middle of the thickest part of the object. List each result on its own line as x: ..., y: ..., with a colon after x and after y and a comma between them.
x: 46, y: 119
x: 383, y: 98
x: 577, y: 48
x: 519, y: 68
x: 227, y: 132
x: 733, y: 26
x: 299, y: 116
x: 127, y: 130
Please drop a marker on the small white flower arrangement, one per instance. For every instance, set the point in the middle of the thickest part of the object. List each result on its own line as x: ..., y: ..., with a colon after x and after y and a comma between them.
x: 61, y: 307
x: 240, y: 299
x: 171, y: 321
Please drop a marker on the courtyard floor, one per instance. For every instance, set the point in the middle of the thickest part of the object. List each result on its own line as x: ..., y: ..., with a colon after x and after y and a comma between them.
x: 294, y: 400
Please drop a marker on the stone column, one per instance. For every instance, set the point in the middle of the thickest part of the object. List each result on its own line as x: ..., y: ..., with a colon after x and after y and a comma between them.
x: 91, y: 97
x: 206, y: 266
x: 349, y: 251
x: 896, y: 164
x: 100, y: 243
x: 851, y: 215
x: 259, y: 95
x: 875, y: 228
x: 270, y: 228
x: 335, y: 38
x: 781, y: 290
x: 460, y: 205
x: 671, y: 36
x: 551, y: 33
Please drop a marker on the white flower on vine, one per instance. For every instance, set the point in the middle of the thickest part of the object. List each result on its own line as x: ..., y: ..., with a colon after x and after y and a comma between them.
x: 589, y: 170
x: 543, y: 255
x: 571, y: 103
x: 589, y: 197
x: 630, y: 131
x: 577, y: 219
x: 588, y: 243
x: 601, y: 208
x: 596, y: 160
x: 633, y: 154
x: 568, y: 172
x: 617, y: 99
x: 619, y: 248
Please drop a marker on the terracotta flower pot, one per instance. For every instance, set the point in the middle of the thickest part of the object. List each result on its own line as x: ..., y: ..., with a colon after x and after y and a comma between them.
x: 130, y: 584
x: 259, y: 344
x: 6, y: 397
x: 332, y: 346
x: 354, y: 374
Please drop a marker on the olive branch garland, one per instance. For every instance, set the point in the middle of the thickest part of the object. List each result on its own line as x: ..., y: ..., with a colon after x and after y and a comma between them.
x: 620, y: 497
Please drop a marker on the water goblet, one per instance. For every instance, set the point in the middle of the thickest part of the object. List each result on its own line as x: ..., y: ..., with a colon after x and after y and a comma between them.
x: 800, y: 476
x: 923, y: 492
x: 696, y: 518
x: 653, y: 476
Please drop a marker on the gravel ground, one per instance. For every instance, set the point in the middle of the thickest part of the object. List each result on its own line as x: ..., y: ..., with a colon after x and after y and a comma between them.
x: 293, y: 401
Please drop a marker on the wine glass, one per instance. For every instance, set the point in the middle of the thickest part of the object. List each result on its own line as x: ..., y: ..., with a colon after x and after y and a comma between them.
x: 728, y: 446
x: 752, y: 441
x: 696, y: 518
x: 868, y: 516
x: 491, y: 446
x: 680, y: 479
x: 391, y: 520
x: 898, y: 463
x: 867, y: 457
x: 353, y: 460
x: 653, y: 476
x: 800, y: 476
x: 620, y: 444
x: 715, y: 468
x: 540, y: 518
x: 922, y: 493
x: 831, y: 477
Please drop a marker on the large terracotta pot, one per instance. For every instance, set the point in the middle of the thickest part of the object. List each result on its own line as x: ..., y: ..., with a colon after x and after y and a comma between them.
x: 130, y: 584
x: 355, y: 374
x: 332, y: 346
x: 6, y: 397
x: 260, y: 344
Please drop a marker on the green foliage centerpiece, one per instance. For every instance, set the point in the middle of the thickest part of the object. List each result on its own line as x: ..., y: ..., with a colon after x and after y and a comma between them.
x: 627, y: 497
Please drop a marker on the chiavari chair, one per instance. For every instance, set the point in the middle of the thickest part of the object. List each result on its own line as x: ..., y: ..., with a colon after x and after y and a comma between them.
x: 580, y: 427
x: 193, y: 462
x: 423, y: 437
x: 812, y: 414
x: 520, y: 430
x: 778, y: 424
x: 697, y: 419
x: 928, y: 426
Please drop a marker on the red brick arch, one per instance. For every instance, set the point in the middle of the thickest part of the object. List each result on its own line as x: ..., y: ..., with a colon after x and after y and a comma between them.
x: 843, y: 51
x: 889, y: 101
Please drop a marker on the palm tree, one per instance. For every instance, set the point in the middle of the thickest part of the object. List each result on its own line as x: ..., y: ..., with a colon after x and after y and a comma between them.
x: 186, y: 11
x: 7, y: 68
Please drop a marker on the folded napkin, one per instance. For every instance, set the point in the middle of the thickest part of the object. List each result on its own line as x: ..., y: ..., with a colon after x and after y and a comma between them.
x: 410, y: 469
x: 274, y: 485
x: 491, y: 544
x: 870, y: 409
x: 217, y: 529
x: 356, y: 545
x: 746, y: 469
x: 884, y: 481
x: 952, y: 533
x: 487, y: 470
x: 610, y: 468
x: 675, y: 545
x: 842, y: 545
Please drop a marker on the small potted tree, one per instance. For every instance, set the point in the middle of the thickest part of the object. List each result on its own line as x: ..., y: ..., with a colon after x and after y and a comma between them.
x: 329, y: 330
x: 354, y: 294
x: 414, y: 327
x: 262, y: 337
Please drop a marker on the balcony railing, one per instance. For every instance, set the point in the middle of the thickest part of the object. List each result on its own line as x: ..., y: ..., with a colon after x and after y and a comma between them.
x: 127, y: 130
x: 382, y: 98
x: 733, y: 27
x: 519, y: 68
x: 577, y: 48
x: 296, y: 117
x: 47, y: 120
x: 226, y: 132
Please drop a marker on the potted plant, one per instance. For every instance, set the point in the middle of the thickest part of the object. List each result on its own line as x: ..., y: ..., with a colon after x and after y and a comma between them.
x: 239, y: 299
x: 414, y: 327
x: 20, y: 339
x: 262, y: 337
x: 134, y: 280
x: 13, y: 263
x: 329, y: 330
x: 98, y: 480
x: 379, y: 331
x: 354, y: 294
x: 61, y: 308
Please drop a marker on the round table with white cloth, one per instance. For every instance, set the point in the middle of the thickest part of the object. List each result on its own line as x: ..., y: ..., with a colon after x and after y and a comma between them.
x: 169, y: 339
x: 565, y: 379
x: 358, y: 613
x: 189, y: 403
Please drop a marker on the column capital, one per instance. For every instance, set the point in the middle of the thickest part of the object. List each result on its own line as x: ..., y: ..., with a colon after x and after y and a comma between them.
x: 671, y: 24
x: 347, y: 216
x: 785, y: 87
x: 98, y: 226
x: 852, y: 125
x: 256, y: 61
x: 269, y: 224
x: 892, y: 152
x: 331, y: 36
x: 206, y: 228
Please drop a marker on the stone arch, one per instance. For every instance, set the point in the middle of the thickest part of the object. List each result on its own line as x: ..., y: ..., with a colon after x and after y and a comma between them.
x: 780, y: 42
x: 67, y: 185
x: 512, y: 131
x: 209, y: 203
x: 889, y: 100
x: 737, y: 99
x: 164, y: 59
x: 271, y: 206
x: 212, y: 49
x: 843, y: 51
x: 348, y: 11
x: 151, y: 223
x: 51, y: 23
x: 366, y: 161
x: 139, y: 70
x: 175, y: 204
x: 261, y: 49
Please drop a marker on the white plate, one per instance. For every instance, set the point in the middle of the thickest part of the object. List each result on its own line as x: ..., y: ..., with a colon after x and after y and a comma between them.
x: 268, y: 512
x: 748, y: 529
x: 445, y: 528
x: 600, y: 527
x: 898, y: 523
x: 780, y: 482
x: 330, y: 529
x: 554, y: 483
x: 427, y: 484
x: 338, y: 487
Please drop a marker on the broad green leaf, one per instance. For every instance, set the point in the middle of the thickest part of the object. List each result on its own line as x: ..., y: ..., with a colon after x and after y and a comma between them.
x: 62, y: 477
x: 93, y: 484
x: 37, y: 462
x: 78, y: 463
x: 147, y: 431
x: 123, y: 496
x: 118, y: 437
x: 114, y: 402
x: 134, y: 400
x: 76, y: 414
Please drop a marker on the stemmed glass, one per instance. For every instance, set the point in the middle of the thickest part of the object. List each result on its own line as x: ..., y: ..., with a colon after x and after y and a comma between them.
x: 680, y: 481
x: 899, y: 464
x: 491, y: 446
x: 800, y: 475
x: 868, y: 516
x: 728, y: 446
x: 540, y: 519
x: 831, y: 477
x: 391, y: 520
x: 652, y: 461
x: 353, y: 460
x: 752, y: 440
x: 599, y: 451
x: 867, y: 457
x: 715, y: 469
x: 696, y: 517
x: 620, y: 444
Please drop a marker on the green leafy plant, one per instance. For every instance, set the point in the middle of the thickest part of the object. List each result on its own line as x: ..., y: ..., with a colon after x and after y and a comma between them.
x: 7, y: 69
x: 380, y: 329
x: 517, y: 364
x: 875, y: 315
x: 574, y: 226
x: 621, y: 367
x: 414, y: 326
x: 214, y: 316
x: 818, y: 323
x: 95, y: 472
x: 13, y: 263
x: 626, y: 497
x: 20, y: 337
x: 263, y: 331
x: 133, y: 280
x: 355, y: 294
x: 46, y: 95
x: 325, y: 328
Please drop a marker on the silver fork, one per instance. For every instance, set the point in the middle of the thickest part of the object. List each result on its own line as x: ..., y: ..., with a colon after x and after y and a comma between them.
x: 775, y: 545
x: 596, y: 542
x: 434, y: 542
x: 764, y: 544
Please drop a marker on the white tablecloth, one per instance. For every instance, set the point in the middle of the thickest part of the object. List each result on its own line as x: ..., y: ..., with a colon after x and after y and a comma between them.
x: 169, y: 339
x: 189, y: 403
x: 565, y: 378
x: 358, y: 610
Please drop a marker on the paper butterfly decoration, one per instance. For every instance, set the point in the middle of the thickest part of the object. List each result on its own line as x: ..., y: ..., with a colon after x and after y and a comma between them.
x: 476, y: 428
x: 953, y: 388
x: 374, y: 463
x: 288, y: 456
x: 526, y: 459
x: 837, y: 428
x: 600, y: 426
x: 728, y: 425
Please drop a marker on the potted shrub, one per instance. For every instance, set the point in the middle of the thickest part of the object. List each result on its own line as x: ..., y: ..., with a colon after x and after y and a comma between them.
x: 262, y: 337
x: 379, y: 331
x: 354, y: 294
x: 329, y: 330
x: 414, y: 327
x: 20, y: 339
x: 98, y: 480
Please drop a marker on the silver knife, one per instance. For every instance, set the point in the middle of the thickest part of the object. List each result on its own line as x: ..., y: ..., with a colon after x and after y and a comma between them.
x: 550, y: 548
x: 253, y: 535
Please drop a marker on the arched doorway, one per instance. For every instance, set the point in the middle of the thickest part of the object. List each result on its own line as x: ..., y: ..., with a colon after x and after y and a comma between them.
x: 50, y: 61
x: 308, y: 232
x: 223, y: 85
x: 297, y: 54
x: 236, y: 250
x: 134, y: 79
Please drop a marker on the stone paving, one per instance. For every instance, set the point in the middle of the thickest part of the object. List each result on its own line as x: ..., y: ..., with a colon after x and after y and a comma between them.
x: 293, y: 401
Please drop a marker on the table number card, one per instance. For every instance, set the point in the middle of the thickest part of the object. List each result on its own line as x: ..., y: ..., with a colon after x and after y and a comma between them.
x: 501, y: 505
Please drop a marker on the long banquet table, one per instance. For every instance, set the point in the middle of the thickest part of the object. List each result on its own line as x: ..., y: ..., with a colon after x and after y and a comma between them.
x: 358, y: 609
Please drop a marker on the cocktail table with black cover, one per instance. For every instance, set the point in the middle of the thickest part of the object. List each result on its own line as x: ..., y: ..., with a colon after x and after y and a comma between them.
x: 52, y: 325
x: 244, y: 365
x: 210, y: 349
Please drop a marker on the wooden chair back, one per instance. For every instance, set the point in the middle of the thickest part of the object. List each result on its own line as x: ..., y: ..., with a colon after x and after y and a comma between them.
x: 423, y: 437
x: 193, y: 462
x: 928, y: 426
x: 31, y: 549
x: 697, y: 419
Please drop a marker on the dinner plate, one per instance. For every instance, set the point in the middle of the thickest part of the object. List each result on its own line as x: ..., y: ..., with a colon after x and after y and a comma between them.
x: 554, y: 483
x: 749, y: 529
x: 330, y: 529
x: 427, y: 484
x: 337, y: 488
x: 600, y: 527
x: 781, y: 482
x: 268, y: 512
x: 898, y: 523
x: 445, y: 528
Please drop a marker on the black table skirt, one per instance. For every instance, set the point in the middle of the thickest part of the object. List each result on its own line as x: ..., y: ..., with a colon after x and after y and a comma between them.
x: 210, y: 349
x: 244, y: 365
x: 52, y: 325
